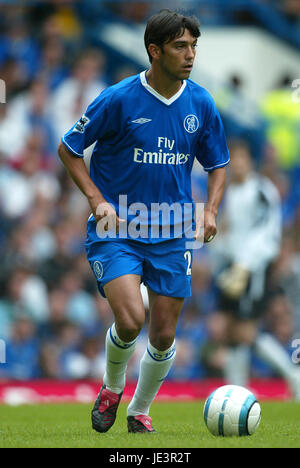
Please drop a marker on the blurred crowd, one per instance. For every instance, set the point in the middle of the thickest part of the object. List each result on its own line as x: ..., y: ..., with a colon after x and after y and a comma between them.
x: 210, y: 12
x: 52, y: 318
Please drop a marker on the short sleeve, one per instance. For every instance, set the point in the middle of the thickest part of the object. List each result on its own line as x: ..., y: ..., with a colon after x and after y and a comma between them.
x: 212, y: 147
x: 93, y: 125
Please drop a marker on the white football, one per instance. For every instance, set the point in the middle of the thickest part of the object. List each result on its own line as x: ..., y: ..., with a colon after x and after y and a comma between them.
x: 232, y: 410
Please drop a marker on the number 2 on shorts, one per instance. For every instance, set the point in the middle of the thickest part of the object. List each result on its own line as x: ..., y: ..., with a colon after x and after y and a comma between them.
x: 188, y: 257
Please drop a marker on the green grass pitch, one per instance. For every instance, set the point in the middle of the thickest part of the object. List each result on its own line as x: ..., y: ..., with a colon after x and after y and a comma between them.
x: 180, y: 425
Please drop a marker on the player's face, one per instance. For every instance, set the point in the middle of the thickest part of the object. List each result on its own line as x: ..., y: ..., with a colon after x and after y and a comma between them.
x: 177, y: 57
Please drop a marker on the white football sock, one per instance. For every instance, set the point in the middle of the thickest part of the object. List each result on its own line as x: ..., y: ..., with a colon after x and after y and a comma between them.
x: 237, y: 365
x: 118, y: 353
x: 154, y: 368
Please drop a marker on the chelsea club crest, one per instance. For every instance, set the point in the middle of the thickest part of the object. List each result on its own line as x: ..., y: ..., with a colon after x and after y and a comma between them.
x: 191, y: 123
x: 98, y: 269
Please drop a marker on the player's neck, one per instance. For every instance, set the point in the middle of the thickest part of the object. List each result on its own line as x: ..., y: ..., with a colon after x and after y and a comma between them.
x: 164, y: 85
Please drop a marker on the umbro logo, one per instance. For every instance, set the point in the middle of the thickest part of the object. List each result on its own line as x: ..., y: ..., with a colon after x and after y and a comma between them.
x: 142, y: 120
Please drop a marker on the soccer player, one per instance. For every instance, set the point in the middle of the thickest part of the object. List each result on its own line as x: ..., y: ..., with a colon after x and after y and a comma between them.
x: 148, y: 130
x: 243, y: 256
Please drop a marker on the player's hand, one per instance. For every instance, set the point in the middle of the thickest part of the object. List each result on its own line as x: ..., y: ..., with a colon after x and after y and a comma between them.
x: 233, y: 281
x: 210, y: 225
x: 105, y: 215
x: 209, y: 229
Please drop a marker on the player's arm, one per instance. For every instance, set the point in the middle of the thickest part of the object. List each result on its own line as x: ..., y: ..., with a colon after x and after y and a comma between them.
x: 215, y: 189
x: 78, y: 172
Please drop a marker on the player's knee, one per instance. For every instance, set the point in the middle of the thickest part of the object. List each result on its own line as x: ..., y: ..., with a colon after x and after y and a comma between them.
x: 162, y: 340
x: 129, y: 327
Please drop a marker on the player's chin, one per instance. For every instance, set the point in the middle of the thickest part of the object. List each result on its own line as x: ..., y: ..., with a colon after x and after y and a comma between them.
x: 185, y: 73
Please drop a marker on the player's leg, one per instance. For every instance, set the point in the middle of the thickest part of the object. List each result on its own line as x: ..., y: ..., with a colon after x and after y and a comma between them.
x: 157, y: 360
x: 240, y: 331
x: 167, y: 274
x: 126, y: 302
x: 125, y: 299
x: 117, y: 266
x: 243, y: 311
x: 236, y: 355
x: 124, y: 296
x: 238, y: 360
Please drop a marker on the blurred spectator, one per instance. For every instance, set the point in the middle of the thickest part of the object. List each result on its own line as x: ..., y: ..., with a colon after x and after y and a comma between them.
x: 49, y: 330
x: 72, y: 97
x: 186, y: 363
x: 203, y: 290
x: 27, y: 114
x: 11, y: 74
x: 213, y: 354
x: 41, y: 241
x: 104, y: 313
x: 14, y: 203
x: 284, y: 185
x: 279, y: 319
x: 62, y: 23
x: 244, y: 254
x: 124, y: 72
x: 30, y: 180
x: 286, y: 276
x: 49, y: 361
x: 64, y: 339
x: 86, y: 363
x: 17, y: 43
x: 52, y: 67
x: 81, y: 307
x: 25, y: 295
x: 22, y: 351
x: 191, y: 334
x: 68, y: 340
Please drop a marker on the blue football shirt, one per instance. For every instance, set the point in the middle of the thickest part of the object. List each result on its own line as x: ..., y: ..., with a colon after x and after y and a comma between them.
x: 145, y: 150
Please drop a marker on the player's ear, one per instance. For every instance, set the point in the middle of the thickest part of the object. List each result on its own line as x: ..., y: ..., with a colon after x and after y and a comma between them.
x: 154, y: 50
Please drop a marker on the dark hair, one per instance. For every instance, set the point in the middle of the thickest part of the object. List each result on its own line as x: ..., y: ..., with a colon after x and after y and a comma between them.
x: 165, y: 26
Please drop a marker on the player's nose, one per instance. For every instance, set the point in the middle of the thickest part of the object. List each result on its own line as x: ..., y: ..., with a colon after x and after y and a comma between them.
x: 190, y: 53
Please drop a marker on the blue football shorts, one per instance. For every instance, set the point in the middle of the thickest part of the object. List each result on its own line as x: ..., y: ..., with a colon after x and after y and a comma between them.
x: 165, y: 267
